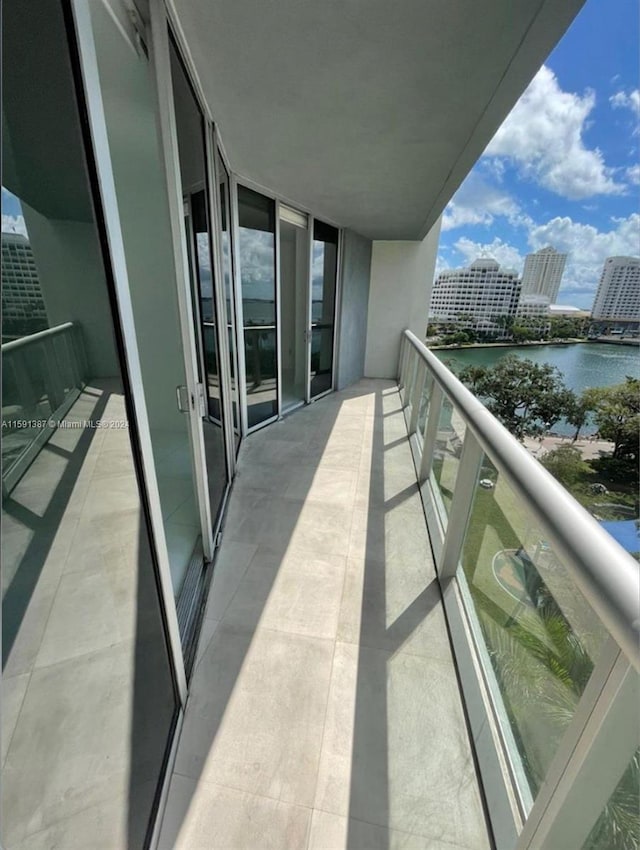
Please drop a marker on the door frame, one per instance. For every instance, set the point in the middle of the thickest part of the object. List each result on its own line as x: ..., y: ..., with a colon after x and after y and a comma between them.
x: 160, y: 57
x: 106, y: 183
x: 336, y: 294
x: 307, y: 313
x: 236, y: 181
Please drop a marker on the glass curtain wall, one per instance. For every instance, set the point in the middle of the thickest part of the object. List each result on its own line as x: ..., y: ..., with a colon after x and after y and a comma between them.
x: 193, y: 171
x: 257, y: 221
x: 89, y: 700
x: 323, y: 305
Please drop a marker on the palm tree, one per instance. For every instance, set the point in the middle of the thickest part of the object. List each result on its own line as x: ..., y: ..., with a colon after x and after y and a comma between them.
x: 540, y: 661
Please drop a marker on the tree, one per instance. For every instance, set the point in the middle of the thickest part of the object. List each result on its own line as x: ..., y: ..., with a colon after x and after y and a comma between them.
x: 527, y: 397
x: 523, y: 332
x: 617, y: 415
x: 579, y: 409
x: 565, y: 463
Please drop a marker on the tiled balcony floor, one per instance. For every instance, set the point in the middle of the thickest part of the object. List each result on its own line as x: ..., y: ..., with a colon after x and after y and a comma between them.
x: 324, y: 711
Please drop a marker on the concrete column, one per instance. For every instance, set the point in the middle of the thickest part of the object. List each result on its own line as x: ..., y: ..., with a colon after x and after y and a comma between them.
x: 400, y: 289
x: 356, y: 272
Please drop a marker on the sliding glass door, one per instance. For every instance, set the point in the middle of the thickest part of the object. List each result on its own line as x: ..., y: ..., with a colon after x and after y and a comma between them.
x: 89, y: 698
x: 294, y: 305
x: 226, y: 251
x: 256, y: 232
x: 288, y: 307
x: 207, y: 306
x: 323, y: 306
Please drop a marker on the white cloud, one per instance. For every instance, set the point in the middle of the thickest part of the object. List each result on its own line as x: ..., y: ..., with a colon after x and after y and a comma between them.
x: 633, y: 174
x: 587, y: 247
x: 626, y: 100
x: 542, y: 136
x: 477, y: 202
x: 508, y: 256
x: 14, y: 224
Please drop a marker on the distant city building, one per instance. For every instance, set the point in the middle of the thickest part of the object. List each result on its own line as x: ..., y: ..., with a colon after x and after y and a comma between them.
x: 568, y: 311
x: 618, y: 295
x: 21, y: 292
x: 536, y: 306
x: 542, y: 273
x: 475, y: 297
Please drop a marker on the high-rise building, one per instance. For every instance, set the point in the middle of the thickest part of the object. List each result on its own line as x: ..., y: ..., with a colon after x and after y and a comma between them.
x: 618, y: 295
x: 542, y: 273
x: 477, y: 296
x: 21, y: 293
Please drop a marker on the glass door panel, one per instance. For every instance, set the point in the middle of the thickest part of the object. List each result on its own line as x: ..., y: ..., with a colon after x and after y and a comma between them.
x: 229, y: 287
x: 129, y: 101
x: 256, y: 220
x: 294, y: 300
x: 89, y: 702
x: 203, y: 280
x: 323, y: 302
x: 193, y: 170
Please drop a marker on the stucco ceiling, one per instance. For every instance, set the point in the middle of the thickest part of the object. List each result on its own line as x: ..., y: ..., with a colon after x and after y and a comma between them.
x: 368, y: 112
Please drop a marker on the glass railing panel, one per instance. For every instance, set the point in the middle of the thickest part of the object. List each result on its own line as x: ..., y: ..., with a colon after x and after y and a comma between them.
x: 618, y: 827
x: 541, y: 636
x: 39, y: 376
x: 446, y: 455
x: 423, y: 408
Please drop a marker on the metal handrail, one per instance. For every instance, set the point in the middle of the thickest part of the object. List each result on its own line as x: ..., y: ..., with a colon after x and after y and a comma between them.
x: 25, y: 341
x: 605, y: 573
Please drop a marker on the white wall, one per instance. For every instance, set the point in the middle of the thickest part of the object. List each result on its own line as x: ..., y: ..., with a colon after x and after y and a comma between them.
x: 71, y: 273
x: 401, y: 280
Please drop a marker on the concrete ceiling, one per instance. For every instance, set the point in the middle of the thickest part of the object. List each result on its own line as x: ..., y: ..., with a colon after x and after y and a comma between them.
x: 368, y: 112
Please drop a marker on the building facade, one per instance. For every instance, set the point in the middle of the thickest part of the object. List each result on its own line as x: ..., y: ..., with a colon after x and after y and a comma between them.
x: 618, y: 293
x: 542, y: 273
x: 22, y: 301
x: 475, y: 297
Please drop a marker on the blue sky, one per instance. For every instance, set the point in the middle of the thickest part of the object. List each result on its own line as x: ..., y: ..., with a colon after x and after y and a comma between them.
x: 564, y: 168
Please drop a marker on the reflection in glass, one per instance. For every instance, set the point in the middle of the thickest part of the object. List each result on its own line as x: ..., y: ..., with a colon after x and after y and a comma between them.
x: 85, y: 665
x: 229, y: 287
x: 423, y: 409
x: 618, y: 827
x: 191, y: 148
x: 202, y: 257
x: 446, y: 455
x: 323, y: 299
x: 294, y: 274
x: 542, y: 637
x: 256, y: 217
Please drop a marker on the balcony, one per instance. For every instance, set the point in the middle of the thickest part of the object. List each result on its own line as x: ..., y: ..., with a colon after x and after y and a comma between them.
x: 324, y: 707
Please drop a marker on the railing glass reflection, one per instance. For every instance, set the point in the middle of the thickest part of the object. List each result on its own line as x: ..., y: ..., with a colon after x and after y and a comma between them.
x: 42, y: 376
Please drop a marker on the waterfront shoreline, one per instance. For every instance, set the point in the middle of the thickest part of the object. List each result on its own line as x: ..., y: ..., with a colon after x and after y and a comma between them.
x: 606, y: 340
x: 510, y: 344
x: 590, y: 447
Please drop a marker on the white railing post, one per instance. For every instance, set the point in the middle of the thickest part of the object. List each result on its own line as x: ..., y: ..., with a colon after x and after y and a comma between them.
x: 461, y: 504
x: 416, y: 395
x: 430, y: 434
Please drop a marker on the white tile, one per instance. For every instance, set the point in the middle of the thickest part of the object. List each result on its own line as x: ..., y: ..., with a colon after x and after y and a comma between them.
x: 204, y: 816
x: 395, y: 751
x: 293, y: 592
x: 255, y: 714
